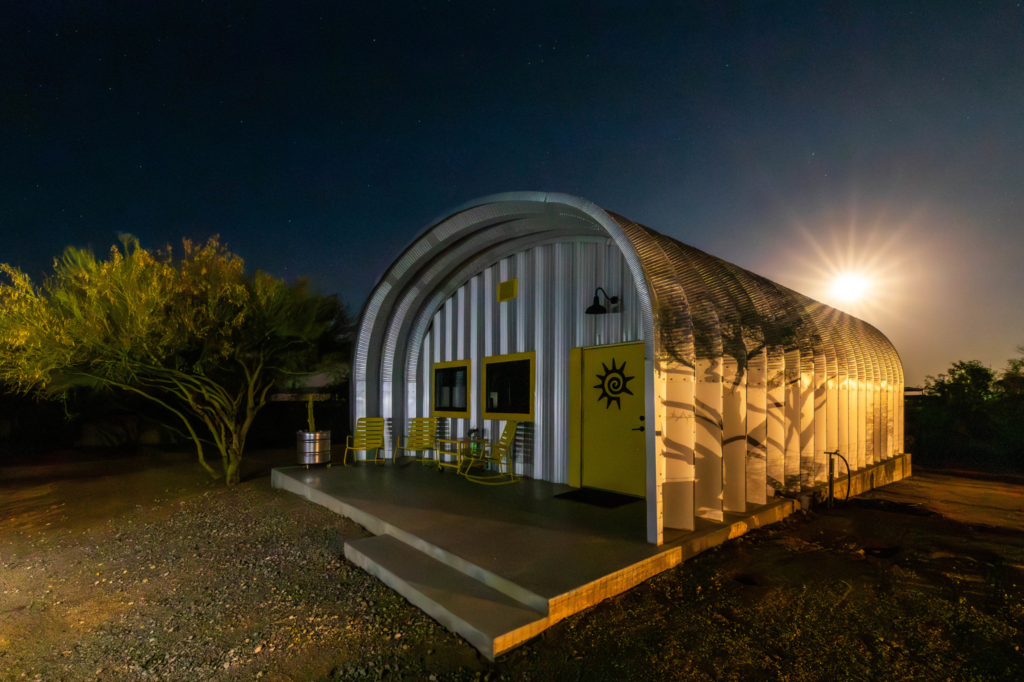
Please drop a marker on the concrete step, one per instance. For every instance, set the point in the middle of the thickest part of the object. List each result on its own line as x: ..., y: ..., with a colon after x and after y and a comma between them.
x: 300, y: 484
x: 488, y: 619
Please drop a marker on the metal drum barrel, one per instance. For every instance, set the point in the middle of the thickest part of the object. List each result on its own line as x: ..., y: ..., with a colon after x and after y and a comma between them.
x: 313, y: 447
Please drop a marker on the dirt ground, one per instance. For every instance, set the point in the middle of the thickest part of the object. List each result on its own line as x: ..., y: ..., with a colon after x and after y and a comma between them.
x: 137, y: 568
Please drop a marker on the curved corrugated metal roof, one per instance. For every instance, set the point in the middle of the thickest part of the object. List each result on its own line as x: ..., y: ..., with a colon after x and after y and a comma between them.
x: 694, y: 305
x: 706, y: 307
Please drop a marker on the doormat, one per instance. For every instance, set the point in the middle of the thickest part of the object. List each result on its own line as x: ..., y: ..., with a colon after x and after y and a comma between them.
x: 598, y: 498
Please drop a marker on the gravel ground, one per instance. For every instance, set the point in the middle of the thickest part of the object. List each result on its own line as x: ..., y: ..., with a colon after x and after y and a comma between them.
x: 234, y: 584
x: 251, y: 583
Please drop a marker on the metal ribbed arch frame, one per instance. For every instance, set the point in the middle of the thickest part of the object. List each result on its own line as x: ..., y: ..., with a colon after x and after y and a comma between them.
x: 861, y: 351
x: 773, y: 314
x: 761, y: 346
x: 392, y: 284
x: 812, y: 454
x: 732, y: 374
x: 868, y: 374
x: 716, y: 284
x: 474, y: 249
x: 378, y: 317
x: 746, y: 299
x: 876, y: 374
x: 847, y: 371
x: 826, y: 369
x: 894, y: 385
x: 881, y: 377
x: 866, y: 391
x: 880, y: 371
x: 840, y: 377
x: 763, y: 313
x: 756, y: 317
x: 674, y: 346
x: 899, y: 397
x: 708, y: 420
x: 809, y: 357
x: 797, y: 359
x: 466, y: 258
x: 857, y: 377
x: 780, y: 474
x: 669, y: 296
x: 895, y: 395
x: 731, y: 311
x: 707, y: 330
x: 483, y: 226
x: 484, y: 260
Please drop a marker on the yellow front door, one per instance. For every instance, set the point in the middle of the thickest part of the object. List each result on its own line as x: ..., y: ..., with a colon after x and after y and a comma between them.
x: 614, y: 452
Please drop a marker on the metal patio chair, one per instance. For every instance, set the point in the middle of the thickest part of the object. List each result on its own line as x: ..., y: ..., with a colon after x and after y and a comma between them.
x: 499, y: 455
x: 369, y: 435
x: 422, y: 437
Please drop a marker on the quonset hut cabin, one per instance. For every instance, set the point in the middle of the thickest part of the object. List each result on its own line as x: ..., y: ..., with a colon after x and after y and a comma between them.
x: 633, y: 363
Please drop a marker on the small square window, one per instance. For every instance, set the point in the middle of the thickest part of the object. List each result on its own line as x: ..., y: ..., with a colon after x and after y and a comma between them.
x: 451, y: 389
x: 509, y: 387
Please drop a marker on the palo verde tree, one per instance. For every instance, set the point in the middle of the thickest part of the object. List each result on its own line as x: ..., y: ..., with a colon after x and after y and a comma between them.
x: 194, y: 334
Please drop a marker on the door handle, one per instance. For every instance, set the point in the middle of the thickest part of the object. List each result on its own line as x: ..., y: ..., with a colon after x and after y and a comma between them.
x: 639, y: 429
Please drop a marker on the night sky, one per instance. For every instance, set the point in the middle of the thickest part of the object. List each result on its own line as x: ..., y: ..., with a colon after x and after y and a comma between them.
x: 793, y: 139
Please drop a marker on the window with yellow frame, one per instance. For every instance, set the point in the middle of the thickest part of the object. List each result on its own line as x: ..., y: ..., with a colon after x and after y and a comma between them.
x: 509, y: 383
x: 449, y: 396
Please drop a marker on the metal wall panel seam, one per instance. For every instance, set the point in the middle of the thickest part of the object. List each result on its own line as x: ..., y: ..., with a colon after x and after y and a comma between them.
x: 880, y: 376
x: 734, y: 355
x: 543, y: 408
x: 422, y: 320
x: 475, y: 336
x: 708, y: 390
x: 470, y: 214
x: 563, y: 277
x: 895, y: 391
x: 886, y: 355
x: 755, y: 317
x: 393, y: 324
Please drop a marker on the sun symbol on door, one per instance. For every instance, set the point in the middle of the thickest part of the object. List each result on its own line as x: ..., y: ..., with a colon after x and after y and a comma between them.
x: 613, y: 384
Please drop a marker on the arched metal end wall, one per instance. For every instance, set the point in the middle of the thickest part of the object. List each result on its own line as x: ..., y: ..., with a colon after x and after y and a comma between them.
x: 750, y: 383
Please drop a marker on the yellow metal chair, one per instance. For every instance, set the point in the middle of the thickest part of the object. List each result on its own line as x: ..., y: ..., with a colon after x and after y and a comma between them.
x: 498, y: 454
x: 422, y: 437
x: 369, y: 435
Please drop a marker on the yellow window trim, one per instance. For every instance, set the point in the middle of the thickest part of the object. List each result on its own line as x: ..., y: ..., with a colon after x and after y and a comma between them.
x: 463, y: 414
x: 509, y: 416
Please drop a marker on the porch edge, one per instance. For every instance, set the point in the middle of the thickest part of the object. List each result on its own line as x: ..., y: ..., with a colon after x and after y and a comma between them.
x: 280, y: 479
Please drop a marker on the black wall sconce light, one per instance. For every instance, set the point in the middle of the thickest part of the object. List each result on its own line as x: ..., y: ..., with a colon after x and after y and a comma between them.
x: 597, y: 308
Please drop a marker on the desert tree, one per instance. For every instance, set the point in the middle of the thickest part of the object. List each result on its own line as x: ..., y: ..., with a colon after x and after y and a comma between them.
x: 1011, y: 381
x: 193, y: 333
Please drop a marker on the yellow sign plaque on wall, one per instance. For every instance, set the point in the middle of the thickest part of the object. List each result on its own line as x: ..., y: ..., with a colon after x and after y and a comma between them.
x: 508, y: 290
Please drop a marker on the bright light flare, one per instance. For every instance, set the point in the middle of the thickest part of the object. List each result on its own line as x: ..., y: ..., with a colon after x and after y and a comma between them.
x: 859, y: 264
x: 850, y: 287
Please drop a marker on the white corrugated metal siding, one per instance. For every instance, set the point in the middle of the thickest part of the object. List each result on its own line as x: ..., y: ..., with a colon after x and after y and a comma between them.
x: 556, y: 285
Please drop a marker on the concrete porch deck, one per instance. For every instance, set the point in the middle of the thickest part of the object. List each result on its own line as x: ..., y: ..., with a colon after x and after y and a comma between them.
x: 499, y: 564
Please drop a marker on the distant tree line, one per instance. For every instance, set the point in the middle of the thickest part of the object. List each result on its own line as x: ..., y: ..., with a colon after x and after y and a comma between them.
x: 971, y: 417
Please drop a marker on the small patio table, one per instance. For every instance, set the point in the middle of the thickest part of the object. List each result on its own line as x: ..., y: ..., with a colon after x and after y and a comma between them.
x: 462, y: 445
